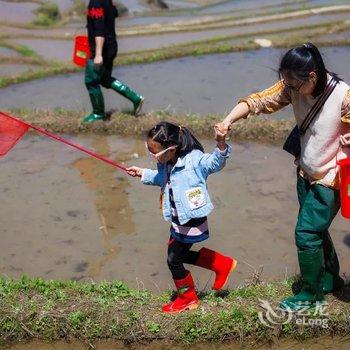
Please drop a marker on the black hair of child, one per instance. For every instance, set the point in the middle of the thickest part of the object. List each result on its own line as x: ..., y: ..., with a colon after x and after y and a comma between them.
x: 169, y: 134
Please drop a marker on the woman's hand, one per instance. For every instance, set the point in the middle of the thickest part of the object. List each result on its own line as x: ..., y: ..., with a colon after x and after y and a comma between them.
x: 134, y: 171
x: 222, y: 128
x: 238, y: 112
x: 345, y: 140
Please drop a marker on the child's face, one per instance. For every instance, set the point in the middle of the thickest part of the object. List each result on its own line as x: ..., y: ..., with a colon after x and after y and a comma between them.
x: 162, y: 155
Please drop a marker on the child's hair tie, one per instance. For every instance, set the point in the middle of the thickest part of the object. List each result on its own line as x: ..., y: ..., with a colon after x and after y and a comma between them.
x: 180, y: 128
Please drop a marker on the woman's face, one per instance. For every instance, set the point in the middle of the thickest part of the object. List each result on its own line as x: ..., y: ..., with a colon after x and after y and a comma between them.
x: 161, y: 154
x: 303, y: 87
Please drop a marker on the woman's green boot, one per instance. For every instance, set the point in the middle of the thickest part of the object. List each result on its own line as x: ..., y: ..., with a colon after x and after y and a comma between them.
x: 312, y: 271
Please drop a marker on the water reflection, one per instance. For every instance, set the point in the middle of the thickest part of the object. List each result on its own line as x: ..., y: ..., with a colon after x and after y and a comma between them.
x: 111, y: 200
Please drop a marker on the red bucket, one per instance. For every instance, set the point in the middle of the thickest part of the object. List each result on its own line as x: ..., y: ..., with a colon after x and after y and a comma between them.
x: 81, y: 50
x: 344, y: 179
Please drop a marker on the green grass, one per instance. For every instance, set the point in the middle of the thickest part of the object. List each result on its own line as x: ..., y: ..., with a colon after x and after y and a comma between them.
x: 34, y: 308
x: 26, y: 51
x: 47, y: 14
x: 23, y: 50
x: 54, y: 68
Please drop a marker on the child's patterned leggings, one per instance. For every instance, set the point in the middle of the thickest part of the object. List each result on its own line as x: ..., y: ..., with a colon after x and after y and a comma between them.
x: 178, y: 254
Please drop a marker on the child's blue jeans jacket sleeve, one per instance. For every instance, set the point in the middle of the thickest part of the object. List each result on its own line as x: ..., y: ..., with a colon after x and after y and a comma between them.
x: 188, y: 179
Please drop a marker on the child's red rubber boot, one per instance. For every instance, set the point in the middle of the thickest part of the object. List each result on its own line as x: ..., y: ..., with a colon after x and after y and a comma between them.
x: 186, y: 299
x: 220, y: 264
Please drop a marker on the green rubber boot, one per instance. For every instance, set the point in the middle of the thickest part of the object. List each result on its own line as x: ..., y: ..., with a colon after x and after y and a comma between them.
x: 92, y: 117
x: 92, y: 81
x: 98, y: 105
x: 124, y: 90
x: 332, y: 282
x: 312, y: 270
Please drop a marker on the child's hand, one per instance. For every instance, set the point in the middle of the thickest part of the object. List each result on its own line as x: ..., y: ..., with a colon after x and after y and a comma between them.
x: 134, y: 171
x: 220, y: 133
x: 220, y: 136
x: 345, y: 140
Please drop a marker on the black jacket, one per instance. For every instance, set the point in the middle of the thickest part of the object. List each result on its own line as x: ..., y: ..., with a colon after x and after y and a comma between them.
x: 101, y: 16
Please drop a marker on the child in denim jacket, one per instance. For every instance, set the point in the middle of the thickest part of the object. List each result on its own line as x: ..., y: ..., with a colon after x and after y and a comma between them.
x: 183, y: 169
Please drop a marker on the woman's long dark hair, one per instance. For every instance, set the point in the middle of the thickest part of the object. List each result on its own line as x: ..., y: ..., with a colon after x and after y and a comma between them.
x: 300, y: 61
x: 169, y: 134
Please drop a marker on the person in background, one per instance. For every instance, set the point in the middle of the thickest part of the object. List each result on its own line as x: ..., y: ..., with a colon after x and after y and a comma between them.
x: 102, y: 38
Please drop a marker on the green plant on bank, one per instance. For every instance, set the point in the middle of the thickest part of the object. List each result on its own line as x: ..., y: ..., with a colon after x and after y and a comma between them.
x: 26, y: 51
x: 42, y: 72
x: 47, y: 14
x: 23, y: 50
x: 31, y: 310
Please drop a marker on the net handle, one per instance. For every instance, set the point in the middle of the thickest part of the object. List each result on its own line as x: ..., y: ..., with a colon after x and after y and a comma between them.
x: 69, y: 143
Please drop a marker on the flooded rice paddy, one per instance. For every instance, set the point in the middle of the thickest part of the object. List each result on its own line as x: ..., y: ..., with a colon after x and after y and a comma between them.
x: 67, y: 216
x: 61, y: 50
x: 18, y: 12
x: 209, y: 84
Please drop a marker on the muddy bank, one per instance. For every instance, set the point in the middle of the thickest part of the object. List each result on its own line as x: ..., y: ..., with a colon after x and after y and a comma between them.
x: 89, y: 221
x: 261, y: 129
x: 209, y: 84
x: 58, y: 310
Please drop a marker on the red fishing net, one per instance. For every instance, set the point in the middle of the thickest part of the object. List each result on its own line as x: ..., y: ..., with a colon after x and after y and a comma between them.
x: 11, y: 130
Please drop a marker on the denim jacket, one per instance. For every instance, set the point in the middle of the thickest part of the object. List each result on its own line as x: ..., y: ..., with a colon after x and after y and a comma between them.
x: 188, y: 180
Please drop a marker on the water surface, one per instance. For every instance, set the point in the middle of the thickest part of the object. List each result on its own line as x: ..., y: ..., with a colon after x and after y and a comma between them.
x: 207, y: 84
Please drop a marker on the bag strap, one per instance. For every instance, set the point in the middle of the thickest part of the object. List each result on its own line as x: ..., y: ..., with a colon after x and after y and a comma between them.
x: 318, y: 105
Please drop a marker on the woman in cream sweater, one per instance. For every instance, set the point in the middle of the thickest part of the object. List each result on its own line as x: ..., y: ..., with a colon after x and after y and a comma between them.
x: 303, y: 79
